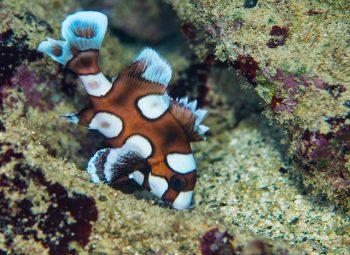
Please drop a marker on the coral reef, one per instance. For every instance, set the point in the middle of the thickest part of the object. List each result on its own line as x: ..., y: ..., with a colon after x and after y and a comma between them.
x: 295, y: 56
x: 50, y: 207
x: 249, y: 198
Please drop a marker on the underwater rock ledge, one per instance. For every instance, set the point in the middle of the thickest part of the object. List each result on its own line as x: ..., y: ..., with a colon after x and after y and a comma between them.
x: 295, y: 56
x: 45, y: 196
x: 48, y: 206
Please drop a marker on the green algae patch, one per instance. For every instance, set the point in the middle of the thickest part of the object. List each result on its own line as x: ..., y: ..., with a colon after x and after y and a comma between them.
x: 265, y: 89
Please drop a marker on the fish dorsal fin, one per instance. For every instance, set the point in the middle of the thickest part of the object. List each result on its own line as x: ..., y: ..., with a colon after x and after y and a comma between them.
x: 148, y: 72
x: 155, y: 68
x: 190, y: 118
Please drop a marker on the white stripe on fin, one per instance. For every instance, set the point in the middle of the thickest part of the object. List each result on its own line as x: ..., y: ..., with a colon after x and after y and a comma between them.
x: 112, y: 158
x: 93, y: 164
x: 85, y: 30
x: 57, y: 50
x: 181, y: 163
x: 153, y: 106
x: 157, y: 69
x: 96, y: 84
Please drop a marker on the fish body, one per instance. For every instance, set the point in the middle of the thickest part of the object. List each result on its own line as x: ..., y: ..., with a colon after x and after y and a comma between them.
x: 149, y: 133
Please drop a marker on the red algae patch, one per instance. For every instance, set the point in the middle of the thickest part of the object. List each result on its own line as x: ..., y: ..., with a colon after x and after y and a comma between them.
x: 53, y: 221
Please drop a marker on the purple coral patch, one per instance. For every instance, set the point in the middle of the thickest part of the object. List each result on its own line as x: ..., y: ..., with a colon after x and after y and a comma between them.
x: 215, y: 242
x: 67, y: 218
x: 279, y: 36
x: 13, y: 51
x: 279, y: 105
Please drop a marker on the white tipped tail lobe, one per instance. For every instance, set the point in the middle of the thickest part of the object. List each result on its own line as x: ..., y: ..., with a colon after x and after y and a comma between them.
x: 57, y: 50
x: 85, y: 30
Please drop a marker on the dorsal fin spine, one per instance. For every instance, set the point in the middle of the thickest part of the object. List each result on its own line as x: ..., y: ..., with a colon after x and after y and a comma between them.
x: 190, y: 118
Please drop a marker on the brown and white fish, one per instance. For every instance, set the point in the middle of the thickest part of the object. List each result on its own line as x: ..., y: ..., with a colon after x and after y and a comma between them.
x: 149, y: 133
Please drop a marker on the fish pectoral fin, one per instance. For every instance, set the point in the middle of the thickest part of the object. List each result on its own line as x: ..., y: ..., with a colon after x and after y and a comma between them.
x: 111, y: 165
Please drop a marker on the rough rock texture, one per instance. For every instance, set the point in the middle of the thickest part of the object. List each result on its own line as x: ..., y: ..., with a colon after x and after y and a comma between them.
x: 295, y: 55
x: 248, y: 198
x: 48, y: 206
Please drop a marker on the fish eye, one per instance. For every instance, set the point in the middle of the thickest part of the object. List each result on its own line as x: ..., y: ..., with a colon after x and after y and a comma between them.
x: 177, y: 182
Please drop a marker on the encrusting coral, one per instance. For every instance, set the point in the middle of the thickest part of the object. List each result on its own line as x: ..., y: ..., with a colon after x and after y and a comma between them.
x: 49, y: 205
x: 294, y: 54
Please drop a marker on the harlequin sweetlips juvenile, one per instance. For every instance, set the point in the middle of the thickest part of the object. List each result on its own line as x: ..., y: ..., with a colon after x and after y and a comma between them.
x: 149, y: 133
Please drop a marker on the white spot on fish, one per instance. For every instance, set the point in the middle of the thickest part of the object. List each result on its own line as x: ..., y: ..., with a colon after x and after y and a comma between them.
x: 107, y: 124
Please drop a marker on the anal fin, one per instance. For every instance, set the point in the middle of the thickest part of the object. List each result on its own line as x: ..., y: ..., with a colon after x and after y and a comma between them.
x: 111, y: 165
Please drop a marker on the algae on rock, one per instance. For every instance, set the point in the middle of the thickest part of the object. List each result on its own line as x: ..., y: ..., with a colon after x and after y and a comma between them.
x: 47, y: 200
x: 295, y: 54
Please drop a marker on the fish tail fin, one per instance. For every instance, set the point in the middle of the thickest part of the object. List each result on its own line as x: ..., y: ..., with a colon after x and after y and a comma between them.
x: 83, y: 33
x: 57, y: 50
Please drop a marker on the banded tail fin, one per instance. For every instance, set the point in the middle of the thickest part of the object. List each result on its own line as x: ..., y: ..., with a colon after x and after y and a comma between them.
x: 83, y: 33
